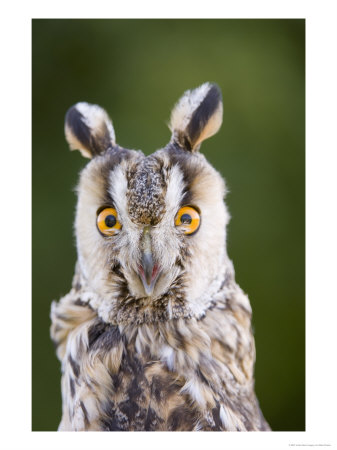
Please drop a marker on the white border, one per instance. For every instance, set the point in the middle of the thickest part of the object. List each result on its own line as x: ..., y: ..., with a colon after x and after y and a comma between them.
x: 321, y: 221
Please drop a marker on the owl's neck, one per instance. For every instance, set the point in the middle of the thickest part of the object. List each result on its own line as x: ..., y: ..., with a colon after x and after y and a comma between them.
x: 125, y: 309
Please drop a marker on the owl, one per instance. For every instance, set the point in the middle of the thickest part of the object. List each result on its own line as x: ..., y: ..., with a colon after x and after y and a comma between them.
x: 155, y: 334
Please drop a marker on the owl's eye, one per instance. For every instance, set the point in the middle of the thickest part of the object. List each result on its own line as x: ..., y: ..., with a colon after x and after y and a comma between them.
x: 188, y: 220
x: 107, y: 222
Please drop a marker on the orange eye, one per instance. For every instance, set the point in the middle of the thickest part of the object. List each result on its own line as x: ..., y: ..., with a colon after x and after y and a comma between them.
x: 107, y: 222
x: 188, y: 220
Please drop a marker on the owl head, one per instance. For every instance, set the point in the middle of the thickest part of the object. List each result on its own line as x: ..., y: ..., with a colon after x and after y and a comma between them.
x: 151, y: 230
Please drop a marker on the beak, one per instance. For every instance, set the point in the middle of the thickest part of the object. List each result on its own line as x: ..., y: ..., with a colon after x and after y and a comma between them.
x: 147, y: 266
x: 148, y: 270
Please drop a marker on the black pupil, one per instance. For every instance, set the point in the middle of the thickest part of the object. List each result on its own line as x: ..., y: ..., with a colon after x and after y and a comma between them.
x: 186, y: 218
x: 110, y: 221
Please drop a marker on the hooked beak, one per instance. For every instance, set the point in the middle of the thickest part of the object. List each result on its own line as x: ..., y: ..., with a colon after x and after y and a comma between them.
x: 148, y: 270
x: 149, y: 273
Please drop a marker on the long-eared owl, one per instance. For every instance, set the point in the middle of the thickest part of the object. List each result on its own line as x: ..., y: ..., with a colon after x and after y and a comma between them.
x: 155, y: 334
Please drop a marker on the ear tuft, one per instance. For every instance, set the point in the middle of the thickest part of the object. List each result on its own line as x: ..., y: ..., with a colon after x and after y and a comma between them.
x: 196, y: 116
x: 89, y: 129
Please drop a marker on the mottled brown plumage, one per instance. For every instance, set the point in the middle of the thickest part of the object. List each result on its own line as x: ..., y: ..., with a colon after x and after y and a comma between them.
x: 155, y: 334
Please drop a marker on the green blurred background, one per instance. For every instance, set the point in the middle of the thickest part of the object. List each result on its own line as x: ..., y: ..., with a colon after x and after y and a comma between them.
x: 137, y: 69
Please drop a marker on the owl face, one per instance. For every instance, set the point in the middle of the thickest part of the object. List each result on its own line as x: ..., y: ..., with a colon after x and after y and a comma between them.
x: 149, y: 225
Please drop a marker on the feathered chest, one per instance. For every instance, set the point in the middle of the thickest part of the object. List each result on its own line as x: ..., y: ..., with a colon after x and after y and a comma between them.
x: 173, y: 375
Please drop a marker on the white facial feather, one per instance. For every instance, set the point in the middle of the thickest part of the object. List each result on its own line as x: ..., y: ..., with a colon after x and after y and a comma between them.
x: 203, y: 272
